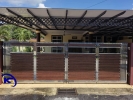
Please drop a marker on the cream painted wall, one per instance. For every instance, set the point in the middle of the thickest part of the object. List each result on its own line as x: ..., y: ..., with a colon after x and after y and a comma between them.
x: 65, y: 38
x: 80, y: 36
x: 125, y: 41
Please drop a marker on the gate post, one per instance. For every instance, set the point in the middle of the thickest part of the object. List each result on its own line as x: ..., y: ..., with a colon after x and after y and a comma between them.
x: 1, y: 61
x: 35, y: 61
x: 66, y: 62
x: 130, y: 64
x: 97, y: 62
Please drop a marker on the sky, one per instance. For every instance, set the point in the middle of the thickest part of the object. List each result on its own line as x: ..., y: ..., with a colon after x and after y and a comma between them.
x: 72, y: 4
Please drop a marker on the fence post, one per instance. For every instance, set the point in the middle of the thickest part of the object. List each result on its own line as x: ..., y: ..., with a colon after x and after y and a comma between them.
x: 97, y: 62
x: 35, y: 61
x: 1, y: 61
x: 130, y: 64
x: 66, y: 62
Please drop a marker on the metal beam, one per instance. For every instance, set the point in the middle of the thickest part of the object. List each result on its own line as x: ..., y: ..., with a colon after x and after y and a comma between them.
x: 124, y: 19
x: 106, y: 33
x: 114, y: 28
x: 80, y: 19
x: 23, y: 18
x: 65, y: 19
x: 51, y: 18
x: 114, y: 31
x: 111, y: 18
x: 114, y: 17
x: 12, y: 19
x: 10, y: 22
x: 92, y: 30
x: 38, y: 18
x: 44, y: 33
x: 72, y: 29
x: 93, y: 20
x: 15, y: 24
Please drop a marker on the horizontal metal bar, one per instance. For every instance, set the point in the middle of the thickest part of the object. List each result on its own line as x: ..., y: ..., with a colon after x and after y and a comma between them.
x: 110, y: 43
x: 39, y: 81
x: 81, y: 81
x: 70, y: 81
x: 50, y: 42
x: 81, y: 53
x: 62, y: 43
x: 74, y: 43
x: 108, y: 47
x: 69, y: 46
x: 49, y: 81
x: 81, y: 47
x: 15, y: 46
x: 93, y: 81
x: 22, y: 52
x: 50, y: 53
x: 119, y: 81
x: 109, y: 53
x: 50, y: 46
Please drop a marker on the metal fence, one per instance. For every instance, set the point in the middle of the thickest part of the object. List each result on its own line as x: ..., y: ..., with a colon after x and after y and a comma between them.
x: 66, y: 62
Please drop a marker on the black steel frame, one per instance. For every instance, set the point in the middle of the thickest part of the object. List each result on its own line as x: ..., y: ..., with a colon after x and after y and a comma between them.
x: 97, y: 24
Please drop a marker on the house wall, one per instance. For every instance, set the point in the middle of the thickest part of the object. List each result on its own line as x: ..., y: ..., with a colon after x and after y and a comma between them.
x: 69, y: 35
x: 66, y: 37
x: 124, y: 41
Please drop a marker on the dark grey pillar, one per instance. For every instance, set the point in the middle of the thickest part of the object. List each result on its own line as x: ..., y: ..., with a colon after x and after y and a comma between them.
x: 38, y: 40
x: 1, y: 61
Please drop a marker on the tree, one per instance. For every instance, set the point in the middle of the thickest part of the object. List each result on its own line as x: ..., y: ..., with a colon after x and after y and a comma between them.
x: 22, y: 34
x: 5, y: 32
x: 8, y: 32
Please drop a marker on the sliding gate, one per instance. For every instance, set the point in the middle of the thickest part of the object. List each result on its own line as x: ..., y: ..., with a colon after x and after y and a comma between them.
x: 66, y: 62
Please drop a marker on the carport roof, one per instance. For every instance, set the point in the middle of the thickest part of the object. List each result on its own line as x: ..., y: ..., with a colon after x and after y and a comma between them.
x: 116, y: 22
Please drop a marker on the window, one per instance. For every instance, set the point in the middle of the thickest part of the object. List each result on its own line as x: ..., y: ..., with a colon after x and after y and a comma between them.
x: 97, y: 39
x: 57, y: 49
x: 57, y: 38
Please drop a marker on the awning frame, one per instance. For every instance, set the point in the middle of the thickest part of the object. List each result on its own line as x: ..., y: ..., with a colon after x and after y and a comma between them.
x: 98, y: 24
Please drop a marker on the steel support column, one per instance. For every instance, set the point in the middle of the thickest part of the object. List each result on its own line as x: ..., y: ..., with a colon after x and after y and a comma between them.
x: 1, y: 61
x: 38, y: 40
x: 130, y: 64
x: 132, y: 39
